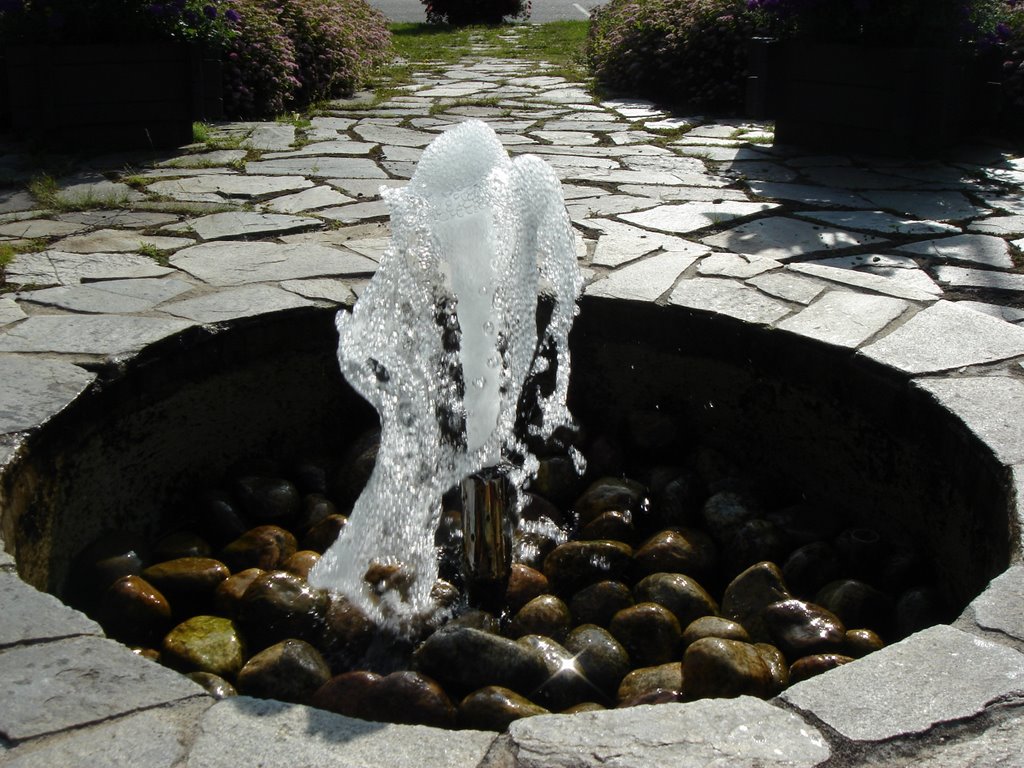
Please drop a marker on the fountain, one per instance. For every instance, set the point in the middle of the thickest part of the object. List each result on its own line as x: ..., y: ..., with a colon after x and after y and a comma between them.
x: 444, y: 344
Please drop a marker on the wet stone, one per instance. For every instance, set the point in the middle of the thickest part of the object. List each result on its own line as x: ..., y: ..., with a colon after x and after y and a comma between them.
x: 610, y: 494
x: 134, y: 611
x: 614, y: 525
x: 205, y: 644
x: 566, y: 684
x: 597, y: 603
x: 747, y: 596
x: 573, y: 565
x: 494, y: 708
x: 810, y: 567
x: 349, y: 693
x: 468, y: 658
x: 861, y: 642
x: 180, y: 544
x: 856, y: 603
x: 268, y: 500
x: 321, y: 535
x: 278, y: 605
x: 714, y: 667
x: 292, y: 670
x: 524, y: 584
x: 816, y: 664
x: 713, y: 626
x: 301, y: 563
x: 649, y: 632
x: 682, y: 595
x: 682, y: 550
x: 188, y: 582
x: 544, y: 615
x: 777, y: 665
x: 800, y: 629
x: 112, y: 555
x: 266, y: 547
x: 215, y: 685
x: 227, y: 598
x: 603, y: 659
x: 645, y: 680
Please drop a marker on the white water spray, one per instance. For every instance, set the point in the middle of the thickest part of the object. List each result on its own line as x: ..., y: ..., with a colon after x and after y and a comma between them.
x: 442, y: 342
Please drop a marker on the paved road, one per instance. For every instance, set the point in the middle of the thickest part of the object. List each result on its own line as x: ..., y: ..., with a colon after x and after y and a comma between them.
x: 543, y: 10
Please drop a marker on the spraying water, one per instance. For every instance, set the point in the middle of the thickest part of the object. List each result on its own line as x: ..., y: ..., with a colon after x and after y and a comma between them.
x: 442, y: 343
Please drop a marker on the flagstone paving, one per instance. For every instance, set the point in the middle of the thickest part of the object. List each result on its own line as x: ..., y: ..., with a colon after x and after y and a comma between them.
x: 913, y: 264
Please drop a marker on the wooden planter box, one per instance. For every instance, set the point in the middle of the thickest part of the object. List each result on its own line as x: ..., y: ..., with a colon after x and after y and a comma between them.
x: 902, y: 101
x: 111, y: 96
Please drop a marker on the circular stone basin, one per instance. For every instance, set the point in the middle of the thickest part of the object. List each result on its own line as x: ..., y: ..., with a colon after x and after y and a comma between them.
x: 806, y: 415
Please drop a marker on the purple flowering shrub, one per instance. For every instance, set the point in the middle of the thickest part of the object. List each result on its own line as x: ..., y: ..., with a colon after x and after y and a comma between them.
x: 688, y: 52
x: 289, y: 53
x: 925, y: 23
x: 460, y: 13
x: 1009, y: 34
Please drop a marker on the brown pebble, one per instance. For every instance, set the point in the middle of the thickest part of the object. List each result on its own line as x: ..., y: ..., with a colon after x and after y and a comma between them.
x: 714, y: 626
x: 810, y: 666
x: 301, y: 563
x: 545, y: 615
x: 861, y: 642
x: 266, y: 547
x: 676, y: 550
x: 717, y: 668
x: 524, y: 584
x: 228, y: 596
x: 649, y: 632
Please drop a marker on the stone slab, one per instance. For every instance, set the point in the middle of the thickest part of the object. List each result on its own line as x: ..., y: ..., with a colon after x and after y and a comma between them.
x: 988, y: 250
x: 783, y: 239
x: 229, y: 263
x: 728, y: 297
x: 155, y: 738
x: 321, y: 288
x: 1007, y: 226
x: 34, y: 389
x: 739, y: 733
x: 10, y: 312
x: 308, y: 200
x: 78, y: 681
x: 118, y: 241
x: 809, y: 194
x: 128, y: 219
x: 236, y: 224
x: 271, y: 136
x: 878, y: 222
x: 87, y: 334
x: 735, y: 265
x: 336, y: 146
x: 31, y: 615
x: 237, y: 185
x: 691, y: 216
x: 205, y: 159
x: 946, y: 336
x: 990, y: 406
x: 233, y: 303
x: 965, y: 277
x: 938, y: 675
x: 994, y: 608
x: 250, y: 732
x: 318, y: 166
x: 1009, y: 314
x: 865, y: 280
x: 356, y: 212
x: 643, y: 280
x: 935, y: 205
x: 60, y: 268
x: 29, y: 229
x: 110, y: 296
x: 389, y: 134
x: 620, y: 243
x: 844, y: 318
x: 997, y: 747
x: 787, y: 286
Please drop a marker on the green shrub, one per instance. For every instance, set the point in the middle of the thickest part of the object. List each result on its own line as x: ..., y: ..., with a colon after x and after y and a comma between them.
x: 460, y: 13
x: 289, y: 53
x: 687, y: 52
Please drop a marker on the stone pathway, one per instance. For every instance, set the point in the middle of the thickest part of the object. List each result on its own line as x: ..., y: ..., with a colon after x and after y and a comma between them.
x: 915, y: 265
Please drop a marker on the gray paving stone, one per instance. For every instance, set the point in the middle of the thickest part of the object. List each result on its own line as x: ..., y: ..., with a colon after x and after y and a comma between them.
x: 915, y: 280
x: 783, y: 239
x: 994, y: 608
x: 735, y: 265
x: 320, y: 167
x: 95, y: 191
x: 988, y: 250
x: 620, y: 243
x: 999, y: 225
x: 117, y: 241
x: 155, y: 738
x: 1009, y: 203
x: 939, y: 206
x: 34, y: 389
x: 128, y: 219
x: 237, y: 185
x: 728, y: 297
x: 607, y: 205
x: 691, y: 216
x: 227, y: 264
x: 234, y: 303
x: 387, y: 134
x: 366, y: 188
x: 878, y: 222
x: 723, y: 154
x: 236, y: 224
x: 938, y: 675
x: 33, y: 228
x: 402, y: 154
x: 31, y: 615
x: 574, y: 138
x: 758, y: 170
x: 334, y: 123
x: 110, y: 296
x: 59, y: 268
x: 965, y: 277
x: 643, y: 280
x: 87, y: 334
x: 946, y: 336
x: 308, y: 200
x: 739, y: 733
x: 846, y: 177
x: 787, y: 286
x: 17, y: 200
x: 863, y: 260
x: 356, y: 212
x: 667, y: 194
x: 844, y: 318
x: 205, y: 159
x: 321, y: 288
x: 78, y: 681
x: 807, y: 194
x: 997, y: 747
x: 865, y: 280
x: 1009, y: 314
x: 10, y: 312
x: 271, y: 136
x: 242, y: 731
x: 988, y: 405
x: 336, y: 146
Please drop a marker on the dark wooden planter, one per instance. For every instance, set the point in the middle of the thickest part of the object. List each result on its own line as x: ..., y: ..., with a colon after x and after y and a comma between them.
x: 902, y: 101
x: 111, y: 96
